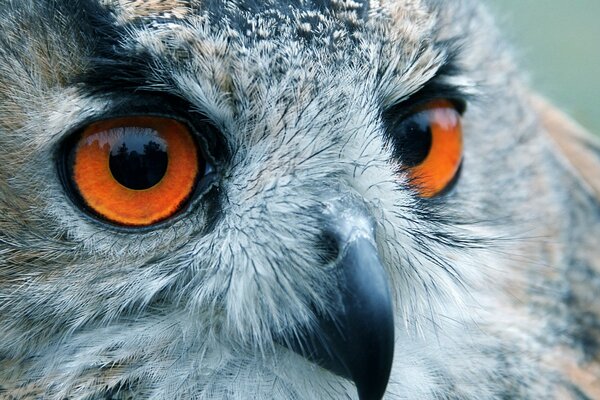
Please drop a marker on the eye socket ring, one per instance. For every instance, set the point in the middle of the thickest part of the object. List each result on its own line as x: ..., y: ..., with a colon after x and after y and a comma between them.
x: 134, y: 171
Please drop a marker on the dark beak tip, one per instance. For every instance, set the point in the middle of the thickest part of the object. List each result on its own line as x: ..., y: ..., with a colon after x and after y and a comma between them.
x: 371, y: 319
x: 371, y: 384
x: 356, y: 339
x: 357, y: 342
x: 372, y: 367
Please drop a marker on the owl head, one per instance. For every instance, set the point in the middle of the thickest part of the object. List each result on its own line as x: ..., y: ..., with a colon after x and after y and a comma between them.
x: 291, y: 200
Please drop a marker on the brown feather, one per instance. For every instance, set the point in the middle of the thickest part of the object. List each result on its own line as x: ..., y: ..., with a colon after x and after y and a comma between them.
x: 579, y: 150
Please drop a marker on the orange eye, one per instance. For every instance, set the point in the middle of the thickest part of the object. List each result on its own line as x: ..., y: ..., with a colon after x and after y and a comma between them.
x: 135, y: 171
x: 428, y: 143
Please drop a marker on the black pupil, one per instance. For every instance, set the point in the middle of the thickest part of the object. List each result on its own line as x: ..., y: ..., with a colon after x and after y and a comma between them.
x: 412, y: 139
x: 139, y: 159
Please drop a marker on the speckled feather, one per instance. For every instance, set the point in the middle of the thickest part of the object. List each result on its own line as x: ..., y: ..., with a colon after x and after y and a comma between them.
x: 496, y: 284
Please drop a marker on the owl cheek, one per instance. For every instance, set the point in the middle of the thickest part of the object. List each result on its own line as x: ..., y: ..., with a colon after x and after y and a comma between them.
x: 355, y: 340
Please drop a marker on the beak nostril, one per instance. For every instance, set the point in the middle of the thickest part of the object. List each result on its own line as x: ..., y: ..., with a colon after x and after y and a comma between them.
x: 329, y: 248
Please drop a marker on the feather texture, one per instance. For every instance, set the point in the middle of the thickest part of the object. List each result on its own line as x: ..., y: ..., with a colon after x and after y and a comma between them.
x: 495, y: 284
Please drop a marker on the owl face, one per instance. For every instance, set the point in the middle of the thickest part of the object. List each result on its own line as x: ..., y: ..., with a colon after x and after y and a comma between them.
x: 315, y: 199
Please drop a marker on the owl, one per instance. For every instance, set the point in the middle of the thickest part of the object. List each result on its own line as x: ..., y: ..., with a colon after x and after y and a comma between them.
x: 303, y: 199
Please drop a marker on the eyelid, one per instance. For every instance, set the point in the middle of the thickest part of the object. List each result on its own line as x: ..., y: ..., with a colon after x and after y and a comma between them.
x: 405, y: 109
x: 119, y: 104
x: 203, y: 139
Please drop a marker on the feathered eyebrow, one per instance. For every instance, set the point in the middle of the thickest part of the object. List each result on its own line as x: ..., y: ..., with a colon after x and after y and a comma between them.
x: 447, y: 83
x: 443, y: 76
x: 110, y: 65
x: 108, y: 73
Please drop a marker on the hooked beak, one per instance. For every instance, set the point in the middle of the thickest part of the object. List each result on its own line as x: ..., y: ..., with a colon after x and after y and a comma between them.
x: 356, y: 340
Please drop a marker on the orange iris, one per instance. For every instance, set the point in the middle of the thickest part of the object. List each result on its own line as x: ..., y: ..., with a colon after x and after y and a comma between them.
x: 136, y: 171
x: 443, y: 161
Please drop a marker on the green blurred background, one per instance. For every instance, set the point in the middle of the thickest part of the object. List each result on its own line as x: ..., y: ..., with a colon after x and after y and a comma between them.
x: 558, y: 42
